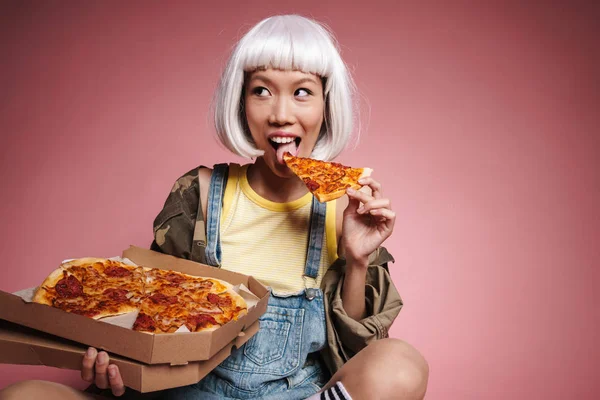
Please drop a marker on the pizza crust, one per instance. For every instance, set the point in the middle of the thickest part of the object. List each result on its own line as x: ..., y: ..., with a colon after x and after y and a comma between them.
x: 366, y: 173
x: 83, y: 261
x: 209, y: 328
x: 123, y: 309
x: 41, y: 294
x: 325, y: 197
x: 238, y: 301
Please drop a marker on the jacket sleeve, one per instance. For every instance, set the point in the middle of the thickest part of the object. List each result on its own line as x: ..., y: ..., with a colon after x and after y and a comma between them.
x: 346, y: 336
x: 174, y: 224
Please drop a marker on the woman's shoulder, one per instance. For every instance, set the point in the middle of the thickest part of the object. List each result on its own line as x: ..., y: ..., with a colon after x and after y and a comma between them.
x: 204, y: 174
x: 197, y: 182
x: 199, y: 176
x: 190, y: 180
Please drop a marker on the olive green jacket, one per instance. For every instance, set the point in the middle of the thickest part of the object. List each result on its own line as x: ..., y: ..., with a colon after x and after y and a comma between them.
x: 179, y: 230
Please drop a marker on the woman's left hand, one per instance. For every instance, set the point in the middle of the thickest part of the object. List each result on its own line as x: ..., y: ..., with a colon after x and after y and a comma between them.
x: 366, y: 226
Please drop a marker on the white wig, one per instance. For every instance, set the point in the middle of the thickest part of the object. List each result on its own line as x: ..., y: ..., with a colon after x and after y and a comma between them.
x: 286, y: 42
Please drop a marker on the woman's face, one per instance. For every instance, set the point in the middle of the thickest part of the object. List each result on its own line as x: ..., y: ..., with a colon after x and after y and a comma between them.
x: 284, y: 111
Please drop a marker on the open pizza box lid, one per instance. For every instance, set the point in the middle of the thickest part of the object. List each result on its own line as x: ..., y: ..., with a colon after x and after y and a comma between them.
x: 175, y: 348
x: 21, y: 345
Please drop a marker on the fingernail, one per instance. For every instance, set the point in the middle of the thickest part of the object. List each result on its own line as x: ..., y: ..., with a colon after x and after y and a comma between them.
x: 102, y: 358
x: 362, y: 181
x: 350, y: 191
x: 111, y: 372
x: 91, y: 352
x: 360, y: 210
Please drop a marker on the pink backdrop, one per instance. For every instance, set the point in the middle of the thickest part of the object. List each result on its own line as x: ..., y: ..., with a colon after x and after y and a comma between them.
x: 483, y: 129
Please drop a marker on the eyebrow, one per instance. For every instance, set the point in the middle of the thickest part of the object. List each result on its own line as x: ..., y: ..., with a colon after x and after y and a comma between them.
x: 297, y: 82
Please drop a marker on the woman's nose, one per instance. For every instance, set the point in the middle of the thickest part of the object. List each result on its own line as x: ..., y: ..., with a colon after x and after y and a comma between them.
x: 282, y: 112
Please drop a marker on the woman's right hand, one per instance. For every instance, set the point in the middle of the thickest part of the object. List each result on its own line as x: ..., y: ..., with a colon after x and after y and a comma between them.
x: 96, y: 369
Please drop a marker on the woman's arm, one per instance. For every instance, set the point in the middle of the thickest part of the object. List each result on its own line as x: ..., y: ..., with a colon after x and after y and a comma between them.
x: 353, y: 293
x: 366, y: 222
x: 204, y: 175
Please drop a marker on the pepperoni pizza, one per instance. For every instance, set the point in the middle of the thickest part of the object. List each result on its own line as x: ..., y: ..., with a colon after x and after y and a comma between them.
x: 166, y: 300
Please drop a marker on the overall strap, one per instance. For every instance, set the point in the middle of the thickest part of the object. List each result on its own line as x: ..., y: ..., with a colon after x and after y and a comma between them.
x: 218, y: 180
x: 315, y: 238
x: 198, y: 252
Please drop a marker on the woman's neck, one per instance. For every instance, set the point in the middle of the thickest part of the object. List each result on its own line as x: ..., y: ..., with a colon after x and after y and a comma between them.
x: 272, y: 187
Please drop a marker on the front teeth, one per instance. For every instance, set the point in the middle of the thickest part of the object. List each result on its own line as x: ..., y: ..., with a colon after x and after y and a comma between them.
x: 278, y: 139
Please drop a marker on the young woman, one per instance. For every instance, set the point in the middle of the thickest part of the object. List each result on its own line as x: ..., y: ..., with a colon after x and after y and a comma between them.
x: 285, y: 88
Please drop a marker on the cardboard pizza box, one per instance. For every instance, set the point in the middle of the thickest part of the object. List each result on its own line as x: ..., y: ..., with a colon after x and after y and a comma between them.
x: 174, y: 348
x: 21, y: 345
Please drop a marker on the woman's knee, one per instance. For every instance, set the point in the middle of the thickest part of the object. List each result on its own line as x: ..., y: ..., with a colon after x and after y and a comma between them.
x: 396, y: 348
x: 396, y: 369
x: 408, y: 368
x: 23, y: 389
x: 39, y: 389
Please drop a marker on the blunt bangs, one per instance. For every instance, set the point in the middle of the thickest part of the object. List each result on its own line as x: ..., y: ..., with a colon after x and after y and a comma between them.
x: 289, y: 43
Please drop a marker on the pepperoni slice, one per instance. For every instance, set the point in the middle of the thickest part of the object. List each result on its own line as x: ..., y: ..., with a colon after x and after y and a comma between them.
x: 118, y: 295
x: 144, y: 322
x: 117, y: 272
x: 174, y: 278
x: 218, y: 300
x: 310, y: 184
x: 205, y: 284
x: 200, y: 321
x: 69, y: 287
x: 160, y: 298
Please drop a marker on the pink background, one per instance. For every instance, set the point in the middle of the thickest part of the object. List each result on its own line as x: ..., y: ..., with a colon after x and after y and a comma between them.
x: 483, y: 130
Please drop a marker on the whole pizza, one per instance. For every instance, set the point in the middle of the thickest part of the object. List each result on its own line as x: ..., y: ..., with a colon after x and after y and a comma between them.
x: 165, y: 300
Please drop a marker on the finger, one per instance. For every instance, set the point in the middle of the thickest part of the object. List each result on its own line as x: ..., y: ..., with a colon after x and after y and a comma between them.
x: 386, y: 216
x: 383, y: 212
x: 375, y: 186
x: 101, y: 365
x: 373, y: 205
x: 87, y: 370
x: 352, y: 206
x: 358, y: 195
x: 115, y: 380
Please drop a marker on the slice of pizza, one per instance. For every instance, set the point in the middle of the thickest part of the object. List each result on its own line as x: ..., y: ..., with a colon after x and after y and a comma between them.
x: 173, y: 299
x: 223, y: 307
x: 93, y: 287
x: 160, y: 313
x: 326, y: 180
x: 156, y: 279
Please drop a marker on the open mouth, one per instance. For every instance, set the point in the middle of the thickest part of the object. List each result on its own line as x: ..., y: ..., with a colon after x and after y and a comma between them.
x: 277, y: 142
x: 284, y: 144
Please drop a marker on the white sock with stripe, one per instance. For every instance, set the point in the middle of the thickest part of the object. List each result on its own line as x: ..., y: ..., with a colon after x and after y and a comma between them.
x: 336, y: 392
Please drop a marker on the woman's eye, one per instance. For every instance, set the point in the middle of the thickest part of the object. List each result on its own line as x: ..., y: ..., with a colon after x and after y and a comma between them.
x: 302, y: 93
x: 260, y: 91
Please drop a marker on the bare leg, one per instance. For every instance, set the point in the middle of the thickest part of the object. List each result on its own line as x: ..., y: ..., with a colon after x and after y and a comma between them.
x: 386, y: 369
x: 42, y: 390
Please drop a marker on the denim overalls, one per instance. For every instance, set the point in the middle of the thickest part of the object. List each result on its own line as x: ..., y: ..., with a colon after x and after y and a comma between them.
x: 281, y: 361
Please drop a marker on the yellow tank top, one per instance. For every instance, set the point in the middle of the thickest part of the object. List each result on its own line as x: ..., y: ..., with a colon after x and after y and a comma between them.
x: 269, y: 240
